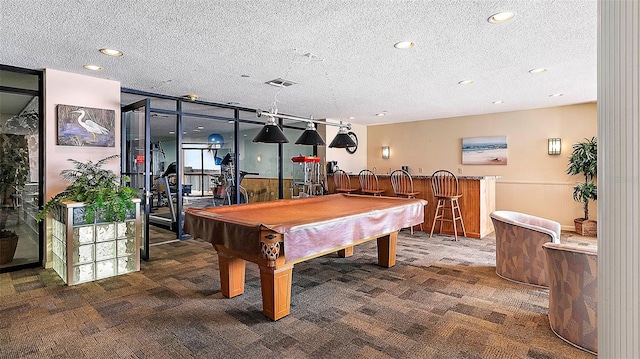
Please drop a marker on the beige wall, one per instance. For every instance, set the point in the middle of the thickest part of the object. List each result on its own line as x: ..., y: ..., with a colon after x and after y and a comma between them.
x: 532, y: 181
x: 62, y: 88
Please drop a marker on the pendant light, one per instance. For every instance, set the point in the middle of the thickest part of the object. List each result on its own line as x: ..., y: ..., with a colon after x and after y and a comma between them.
x: 310, y: 136
x: 342, y: 139
x: 271, y: 133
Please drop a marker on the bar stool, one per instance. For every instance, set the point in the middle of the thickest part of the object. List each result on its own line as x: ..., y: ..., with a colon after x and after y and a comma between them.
x: 342, y: 182
x: 445, y: 189
x: 369, y: 183
x: 402, y: 184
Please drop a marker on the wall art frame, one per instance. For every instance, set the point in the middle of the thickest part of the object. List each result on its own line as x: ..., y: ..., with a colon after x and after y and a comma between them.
x: 85, y: 126
x: 487, y: 150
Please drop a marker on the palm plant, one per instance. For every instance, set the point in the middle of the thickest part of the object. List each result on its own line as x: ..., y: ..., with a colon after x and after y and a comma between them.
x: 584, y: 160
x: 101, y: 191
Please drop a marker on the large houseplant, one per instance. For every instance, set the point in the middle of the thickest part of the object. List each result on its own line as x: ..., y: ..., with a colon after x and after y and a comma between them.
x: 100, y: 190
x: 14, y: 171
x: 584, y: 161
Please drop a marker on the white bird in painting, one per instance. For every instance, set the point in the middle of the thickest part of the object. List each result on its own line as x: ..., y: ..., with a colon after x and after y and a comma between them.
x: 91, y: 127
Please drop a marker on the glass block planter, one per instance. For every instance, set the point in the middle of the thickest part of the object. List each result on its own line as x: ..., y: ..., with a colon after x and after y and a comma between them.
x: 83, y: 252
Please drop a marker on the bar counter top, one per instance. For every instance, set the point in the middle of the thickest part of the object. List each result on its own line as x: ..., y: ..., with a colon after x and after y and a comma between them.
x: 477, y: 201
x: 425, y: 176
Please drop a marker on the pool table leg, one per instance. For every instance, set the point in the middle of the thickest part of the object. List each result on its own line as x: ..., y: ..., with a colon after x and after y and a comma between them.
x: 231, y: 274
x: 276, y: 291
x: 347, y: 252
x: 387, y: 249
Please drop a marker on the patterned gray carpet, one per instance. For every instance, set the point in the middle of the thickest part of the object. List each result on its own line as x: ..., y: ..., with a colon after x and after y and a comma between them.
x: 442, y: 299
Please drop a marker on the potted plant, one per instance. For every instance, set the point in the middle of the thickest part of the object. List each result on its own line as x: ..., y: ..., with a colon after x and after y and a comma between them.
x: 584, y: 161
x: 14, y: 171
x: 100, y: 190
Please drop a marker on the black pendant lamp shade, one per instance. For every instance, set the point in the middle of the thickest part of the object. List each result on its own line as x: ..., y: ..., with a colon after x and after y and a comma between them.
x: 342, y: 139
x: 310, y: 136
x: 271, y: 133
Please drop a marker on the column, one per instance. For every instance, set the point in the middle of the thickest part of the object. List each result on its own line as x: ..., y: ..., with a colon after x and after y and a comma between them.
x: 619, y: 179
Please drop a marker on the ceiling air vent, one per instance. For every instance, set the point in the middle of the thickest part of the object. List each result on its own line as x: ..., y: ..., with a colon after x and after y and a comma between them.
x: 279, y: 82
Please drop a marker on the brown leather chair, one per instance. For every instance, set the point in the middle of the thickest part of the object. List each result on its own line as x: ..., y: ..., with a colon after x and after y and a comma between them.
x: 573, y: 293
x: 402, y: 184
x: 519, y: 240
x: 445, y: 189
x: 342, y: 182
x: 369, y: 183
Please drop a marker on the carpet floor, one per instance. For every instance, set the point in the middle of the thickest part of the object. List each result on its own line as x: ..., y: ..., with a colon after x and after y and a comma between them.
x: 442, y: 299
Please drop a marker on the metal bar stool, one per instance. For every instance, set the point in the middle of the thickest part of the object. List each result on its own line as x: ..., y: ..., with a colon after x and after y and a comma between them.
x: 445, y: 189
x: 402, y: 184
x: 369, y: 183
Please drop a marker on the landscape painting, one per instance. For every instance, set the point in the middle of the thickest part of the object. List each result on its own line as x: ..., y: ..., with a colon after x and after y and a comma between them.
x: 85, y: 126
x: 490, y: 150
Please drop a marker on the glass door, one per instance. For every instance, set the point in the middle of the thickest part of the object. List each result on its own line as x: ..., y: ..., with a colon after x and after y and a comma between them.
x: 135, y: 152
x: 21, y: 168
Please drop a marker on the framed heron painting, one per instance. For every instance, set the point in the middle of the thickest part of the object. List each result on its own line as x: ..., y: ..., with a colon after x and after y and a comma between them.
x: 86, y: 126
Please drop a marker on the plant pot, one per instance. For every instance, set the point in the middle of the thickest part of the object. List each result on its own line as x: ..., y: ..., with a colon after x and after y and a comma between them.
x: 84, y: 252
x: 588, y: 228
x: 8, y: 247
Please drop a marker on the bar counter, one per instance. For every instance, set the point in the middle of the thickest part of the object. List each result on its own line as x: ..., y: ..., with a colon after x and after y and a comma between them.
x: 477, y: 202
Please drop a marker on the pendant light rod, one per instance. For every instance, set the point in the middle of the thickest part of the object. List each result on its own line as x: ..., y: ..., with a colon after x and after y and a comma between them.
x: 260, y: 113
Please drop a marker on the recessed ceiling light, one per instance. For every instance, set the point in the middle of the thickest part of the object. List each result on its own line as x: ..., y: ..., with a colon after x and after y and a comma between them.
x: 556, y: 95
x: 352, y: 118
x: 111, y: 52
x: 184, y: 132
x: 93, y: 67
x: 537, y: 71
x: 172, y: 132
x: 380, y: 114
x: 196, y: 130
x: 465, y: 82
x: 200, y: 127
x: 231, y: 121
x: 497, y: 102
x: 501, y: 17
x: 404, y: 45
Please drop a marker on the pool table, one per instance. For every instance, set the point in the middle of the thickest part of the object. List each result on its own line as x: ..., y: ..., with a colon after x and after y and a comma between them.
x: 276, y: 235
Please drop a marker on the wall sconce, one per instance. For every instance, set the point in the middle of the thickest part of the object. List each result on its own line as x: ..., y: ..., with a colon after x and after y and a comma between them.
x: 385, y: 152
x: 555, y: 146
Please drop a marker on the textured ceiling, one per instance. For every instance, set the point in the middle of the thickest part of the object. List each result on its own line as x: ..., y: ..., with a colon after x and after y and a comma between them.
x: 225, y: 51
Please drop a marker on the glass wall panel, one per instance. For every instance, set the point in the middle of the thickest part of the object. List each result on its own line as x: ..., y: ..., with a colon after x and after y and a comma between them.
x: 258, y: 163
x: 163, y: 104
x: 300, y: 178
x: 20, y: 186
x: 128, y: 98
x: 206, y: 142
x: 206, y: 165
x: 208, y: 110
x: 163, y: 155
x: 19, y: 80
x: 249, y: 116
